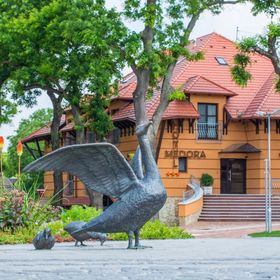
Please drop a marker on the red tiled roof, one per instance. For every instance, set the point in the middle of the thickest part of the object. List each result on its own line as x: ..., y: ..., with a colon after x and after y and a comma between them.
x: 126, y: 90
x: 214, y: 45
x: 41, y: 132
x: 266, y: 100
x: 175, y: 109
x: 199, y: 84
x: 67, y: 127
x: 180, y: 109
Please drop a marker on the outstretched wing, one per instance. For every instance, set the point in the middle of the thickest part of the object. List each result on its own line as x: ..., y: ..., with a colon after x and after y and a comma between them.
x: 100, y: 167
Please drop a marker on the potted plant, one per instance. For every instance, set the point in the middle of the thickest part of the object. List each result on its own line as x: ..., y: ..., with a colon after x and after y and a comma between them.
x: 206, y: 182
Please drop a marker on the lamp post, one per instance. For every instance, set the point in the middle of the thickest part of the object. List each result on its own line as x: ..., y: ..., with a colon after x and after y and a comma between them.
x: 269, y: 187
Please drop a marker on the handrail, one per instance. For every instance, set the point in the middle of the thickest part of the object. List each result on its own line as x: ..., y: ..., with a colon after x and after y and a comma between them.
x: 194, y: 194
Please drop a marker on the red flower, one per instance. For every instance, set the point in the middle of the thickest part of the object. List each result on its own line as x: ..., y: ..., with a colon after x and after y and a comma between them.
x: 19, y: 149
x: 1, y: 142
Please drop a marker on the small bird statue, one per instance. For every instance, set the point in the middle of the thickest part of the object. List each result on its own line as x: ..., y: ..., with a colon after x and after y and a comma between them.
x: 74, y: 226
x: 102, y: 168
x: 44, y: 240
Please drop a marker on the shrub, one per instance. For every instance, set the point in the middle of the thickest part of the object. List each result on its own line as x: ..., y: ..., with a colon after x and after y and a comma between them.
x: 206, y: 180
x: 19, y: 210
x: 151, y: 230
x: 155, y: 230
x: 11, y: 210
x: 79, y: 213
x: 46, y: 216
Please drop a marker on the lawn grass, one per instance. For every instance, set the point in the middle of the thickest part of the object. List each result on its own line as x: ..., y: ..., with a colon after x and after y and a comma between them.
x: 275, y: 233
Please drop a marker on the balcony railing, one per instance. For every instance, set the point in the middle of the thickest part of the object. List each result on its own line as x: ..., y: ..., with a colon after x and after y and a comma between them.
x: 209, y: 131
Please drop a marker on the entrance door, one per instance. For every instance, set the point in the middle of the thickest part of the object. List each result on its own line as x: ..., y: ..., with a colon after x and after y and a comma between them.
x: 233, y: 176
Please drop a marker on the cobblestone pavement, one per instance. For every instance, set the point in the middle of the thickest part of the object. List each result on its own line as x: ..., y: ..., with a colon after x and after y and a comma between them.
x: 168, y: 259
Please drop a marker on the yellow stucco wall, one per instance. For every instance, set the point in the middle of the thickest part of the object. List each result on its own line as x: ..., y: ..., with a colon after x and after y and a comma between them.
x: 239, y: 131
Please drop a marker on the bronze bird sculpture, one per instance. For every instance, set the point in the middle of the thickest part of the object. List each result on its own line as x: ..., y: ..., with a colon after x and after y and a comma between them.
x: 104, y: 169
x: 75, y: 226
x: 43, y: 240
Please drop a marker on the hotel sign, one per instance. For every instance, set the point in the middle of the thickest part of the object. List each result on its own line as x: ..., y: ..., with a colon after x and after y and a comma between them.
x: 175, y: 153
x: 187, y: 154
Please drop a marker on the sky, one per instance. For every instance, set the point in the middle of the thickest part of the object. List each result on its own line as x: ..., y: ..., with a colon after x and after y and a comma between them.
x: 225, y: 24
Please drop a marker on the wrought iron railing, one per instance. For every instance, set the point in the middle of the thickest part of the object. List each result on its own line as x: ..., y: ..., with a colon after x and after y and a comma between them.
x: 209, y: 131
x: 275, y: 185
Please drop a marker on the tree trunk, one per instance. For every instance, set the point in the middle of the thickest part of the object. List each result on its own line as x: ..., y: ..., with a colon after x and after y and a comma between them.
x: 95, y: 198
x: 55, y: 142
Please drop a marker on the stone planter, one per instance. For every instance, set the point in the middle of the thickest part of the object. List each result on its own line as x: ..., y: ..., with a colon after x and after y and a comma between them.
x: 207, y: 190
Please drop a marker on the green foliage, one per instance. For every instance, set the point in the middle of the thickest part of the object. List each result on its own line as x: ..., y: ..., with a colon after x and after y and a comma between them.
x: 20, y: 236
x: 18, y: 209
x: 206, y: 180
x: 26, y: 126
x: 69, y: 47
x: 7, y: 108
x: 79, y: 213
x: 11, y: 208
x: 270, y: 7
x: 48, y: 216
x: 240, y: 75
x: 158, y: 230
x: 155, y: 230
x: 177, y: 94
x: 99, y: 120
x: 275, y: 233
x: 151, y: 230
x: 267, y: 44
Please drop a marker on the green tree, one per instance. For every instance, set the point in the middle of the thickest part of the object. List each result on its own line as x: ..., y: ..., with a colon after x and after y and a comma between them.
x: 8, y: 108
x: 26, y: 126
x: 66, y: 49
x: 154, y: 52
x: 267, y: 45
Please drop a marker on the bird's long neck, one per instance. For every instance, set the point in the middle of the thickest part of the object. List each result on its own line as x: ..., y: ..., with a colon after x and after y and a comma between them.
x: 151, y: 169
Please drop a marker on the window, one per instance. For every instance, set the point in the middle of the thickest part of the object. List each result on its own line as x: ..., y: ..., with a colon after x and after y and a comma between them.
x: 221, y: 60
x: 182, y: 164
x: 207, y: 124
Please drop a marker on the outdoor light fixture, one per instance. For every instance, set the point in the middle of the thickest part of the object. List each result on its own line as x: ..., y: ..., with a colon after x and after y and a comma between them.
x: 268, y: 182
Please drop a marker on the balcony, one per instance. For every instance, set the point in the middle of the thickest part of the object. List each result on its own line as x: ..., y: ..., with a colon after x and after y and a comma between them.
x: 209, y: 131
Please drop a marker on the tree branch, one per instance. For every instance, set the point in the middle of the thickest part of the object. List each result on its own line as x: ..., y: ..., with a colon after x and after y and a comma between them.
x: 272, y: 41
x: 36, y: 86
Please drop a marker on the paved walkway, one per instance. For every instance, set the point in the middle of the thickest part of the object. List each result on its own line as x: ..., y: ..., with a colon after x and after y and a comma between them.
x: 232, y: 259
x: 227, y: 229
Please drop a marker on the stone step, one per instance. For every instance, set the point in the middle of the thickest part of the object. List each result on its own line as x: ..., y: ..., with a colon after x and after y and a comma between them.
x: 240, y: 202
x: 237, y: 196
x: 238, y: 207
x: 241, y: 208
x: 238, y: 212
x: 237, y: 199
x: 261, y: 217
x: 234, y: 219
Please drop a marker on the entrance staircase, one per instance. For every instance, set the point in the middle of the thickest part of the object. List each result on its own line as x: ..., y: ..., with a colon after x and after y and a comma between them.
x: 238, y: 208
